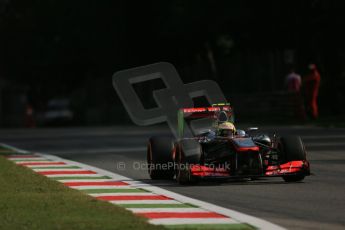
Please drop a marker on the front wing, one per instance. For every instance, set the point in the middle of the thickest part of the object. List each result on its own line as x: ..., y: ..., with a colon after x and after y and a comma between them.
x: 289, y: 168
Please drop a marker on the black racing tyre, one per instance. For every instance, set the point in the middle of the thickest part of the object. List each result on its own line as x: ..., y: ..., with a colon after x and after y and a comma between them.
x: 292, y: 149
x: 159, y: 158
x: 189, y: 153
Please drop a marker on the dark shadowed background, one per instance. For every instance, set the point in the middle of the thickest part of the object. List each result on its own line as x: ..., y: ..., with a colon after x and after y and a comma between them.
x: 57, y: 57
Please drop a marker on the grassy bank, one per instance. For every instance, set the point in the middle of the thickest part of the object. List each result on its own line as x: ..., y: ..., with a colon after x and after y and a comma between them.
x: 31, y: 201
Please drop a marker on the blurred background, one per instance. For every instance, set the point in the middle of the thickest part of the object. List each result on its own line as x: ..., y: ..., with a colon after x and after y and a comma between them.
x: 57, y: 57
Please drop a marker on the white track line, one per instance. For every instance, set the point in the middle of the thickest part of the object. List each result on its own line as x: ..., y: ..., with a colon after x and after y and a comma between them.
x: 123, y: 194
x: 16, y: 149
x: 36, y: 162
x: 102, y: 187
x: 28, y: 159
x: 59, y: 169
x: 43, y: 166
x: 162, y: 210
x: 99, y: 186
x: 88, y: 180
x: 145, y: 202
x: 73, y: 175
x: 174, y: 221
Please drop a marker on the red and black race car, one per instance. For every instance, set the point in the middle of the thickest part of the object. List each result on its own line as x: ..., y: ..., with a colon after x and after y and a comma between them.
x: 205, y: 154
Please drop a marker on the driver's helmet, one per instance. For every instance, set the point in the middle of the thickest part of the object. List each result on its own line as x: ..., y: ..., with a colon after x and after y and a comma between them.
x: 226, y: 129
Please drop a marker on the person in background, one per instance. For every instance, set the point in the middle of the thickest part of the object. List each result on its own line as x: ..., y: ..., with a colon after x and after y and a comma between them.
x: 311, y: 84
x: 293, y: 81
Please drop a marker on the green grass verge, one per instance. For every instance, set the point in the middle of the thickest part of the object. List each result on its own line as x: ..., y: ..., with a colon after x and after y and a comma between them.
x: 31, y: 201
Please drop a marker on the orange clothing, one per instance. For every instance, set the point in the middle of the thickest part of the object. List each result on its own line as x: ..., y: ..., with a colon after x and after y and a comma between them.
x: 312, y: 84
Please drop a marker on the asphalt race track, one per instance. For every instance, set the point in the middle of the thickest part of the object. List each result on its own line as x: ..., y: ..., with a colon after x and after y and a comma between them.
x: 316, y: 203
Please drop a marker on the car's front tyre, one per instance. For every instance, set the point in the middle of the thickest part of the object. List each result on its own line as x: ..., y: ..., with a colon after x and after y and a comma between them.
x: 292, y: 149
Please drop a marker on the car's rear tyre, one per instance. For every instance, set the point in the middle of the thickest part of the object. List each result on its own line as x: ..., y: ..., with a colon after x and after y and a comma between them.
x: 292, y: 149
x: 189, y: 153
x: 159, y: 158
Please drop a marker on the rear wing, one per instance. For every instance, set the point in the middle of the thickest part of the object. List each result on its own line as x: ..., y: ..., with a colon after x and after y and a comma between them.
x: 187, y: 114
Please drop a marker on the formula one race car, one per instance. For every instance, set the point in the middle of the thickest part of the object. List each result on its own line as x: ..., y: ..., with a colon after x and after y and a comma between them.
x: 219, y: 151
